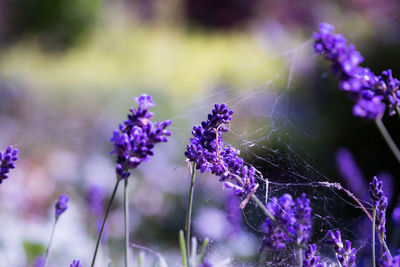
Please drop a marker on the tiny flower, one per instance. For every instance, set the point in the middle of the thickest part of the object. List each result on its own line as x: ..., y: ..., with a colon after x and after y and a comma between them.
x: 76, y: 263
x: 7, y: 162
x: 135, y: 139
x: 61, y: 205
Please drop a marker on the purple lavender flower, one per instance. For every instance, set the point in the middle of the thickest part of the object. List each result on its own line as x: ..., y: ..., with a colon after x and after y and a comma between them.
x: 61, y: 205
x: 210, y: 154
x: 76, y: 263
x: 350, y: 172
x: 380, y: 204
x: 370, y: 92
x: 293, y: 216
x: 7, y: 160
x: 310, y: 257
x: 344, y: 253
x: 389, y: 261
x: 302, y: 212
x: 136, y: 137
x: 381, y: 217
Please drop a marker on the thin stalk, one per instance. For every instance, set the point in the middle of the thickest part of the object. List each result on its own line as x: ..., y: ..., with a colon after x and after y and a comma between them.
x: 48, y: 249
x: 373, y: 237
x: 104, y: 221
x: 384, y: 245
x: 388, y: 139
x: 189, y: 213
x: 300, y: 257
x: 201, y: 253
x: 183, y: 248
x: 398, y: 111
x: 126, y: 221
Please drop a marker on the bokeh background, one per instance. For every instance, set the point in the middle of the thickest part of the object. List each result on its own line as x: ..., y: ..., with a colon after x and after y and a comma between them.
x: 69, y: 70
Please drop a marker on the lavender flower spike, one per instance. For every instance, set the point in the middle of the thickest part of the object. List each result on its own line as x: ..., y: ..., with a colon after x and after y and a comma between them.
x: 61, y: 205
x: 208, y: 151
x: 370, y: 92
x: 380, y: 204
x: 76, y: 263
x: 293, y: 216
x: 344, y: 253
x: 310, y: 257
x: 7, y: 162
x: 135, y: 139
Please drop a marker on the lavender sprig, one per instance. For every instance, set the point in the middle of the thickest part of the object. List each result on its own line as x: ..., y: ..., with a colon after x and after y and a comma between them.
x: 135, y: 139
x: 370, y: 92
x: 294, y: 219
x: 310, y: 257
x: 209, y: 153
x: 76, y: 263
x: 61, y: 205
x: 344, y: 253
x: 7, y: 162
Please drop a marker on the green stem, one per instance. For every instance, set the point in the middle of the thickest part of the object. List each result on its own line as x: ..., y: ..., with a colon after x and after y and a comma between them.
x: 48, y: 249
x: 373, y: 236
x: 388, y: 139
x: 300, y: 257
x: 104, y: 221
x: 183, y: 248
x: 126, y: 221
x: 189, y: 213
x: 384, y: 244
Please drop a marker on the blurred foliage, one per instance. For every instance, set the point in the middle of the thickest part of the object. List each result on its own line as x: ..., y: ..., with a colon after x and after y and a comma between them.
x: 33, y: 250
x: 57, y: 24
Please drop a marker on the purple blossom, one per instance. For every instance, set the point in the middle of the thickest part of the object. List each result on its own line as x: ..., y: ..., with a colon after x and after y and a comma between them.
x: 380, y: 204
x: 76, y: 263
x: 61, y: 205
x: 135, y: 139
x: 396, y: 216
x: 310, y: 257
x: 208, y: 151
x: 302, y: 212
x: 389, y: 261
x: 370, y: 92
x: 344, y: 253
x: 293, y: 216
x: 350, y: 172
x: 7, y: 160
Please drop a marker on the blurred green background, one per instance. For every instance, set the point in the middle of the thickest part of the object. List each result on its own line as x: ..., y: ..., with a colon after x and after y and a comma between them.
x: 69, y: 70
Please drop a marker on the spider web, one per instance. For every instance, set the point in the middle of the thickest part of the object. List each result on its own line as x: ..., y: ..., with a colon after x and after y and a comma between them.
x: 265, y: 136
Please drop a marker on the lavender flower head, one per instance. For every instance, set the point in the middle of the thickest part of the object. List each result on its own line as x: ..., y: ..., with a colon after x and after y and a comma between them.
x: 370, y: 92
x: 345, y: 254
x: 61, y: 205
x: 380, y: 204
x: 208, y: 151
x: 310, y: 257
x: 76, y: 263
x: 7, y: 162
x: 293, y: 216
x: 135, y: 139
